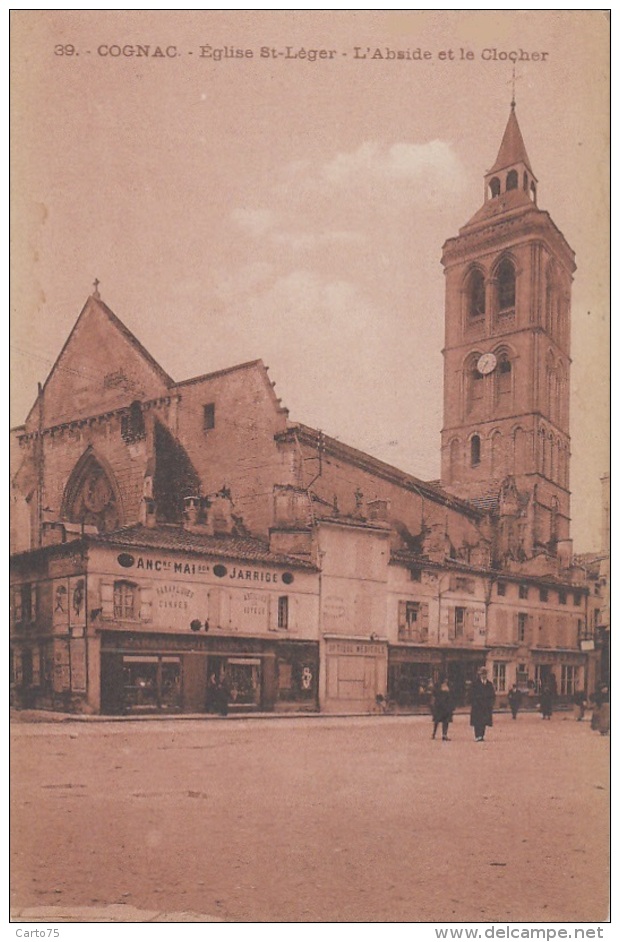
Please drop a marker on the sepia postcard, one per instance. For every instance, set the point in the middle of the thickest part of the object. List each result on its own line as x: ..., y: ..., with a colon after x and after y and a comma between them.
x: 309, y: 368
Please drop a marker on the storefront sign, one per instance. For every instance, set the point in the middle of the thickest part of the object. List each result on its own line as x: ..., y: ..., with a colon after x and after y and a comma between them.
x: 171, y: 595
x: 354, y: 647
x: 193, y: 568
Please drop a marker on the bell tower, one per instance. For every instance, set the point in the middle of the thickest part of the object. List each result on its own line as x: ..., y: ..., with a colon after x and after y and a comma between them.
x: 507, y: 359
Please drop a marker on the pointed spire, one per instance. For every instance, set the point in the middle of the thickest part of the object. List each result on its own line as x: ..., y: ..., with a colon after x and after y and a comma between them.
x: 512, y: 149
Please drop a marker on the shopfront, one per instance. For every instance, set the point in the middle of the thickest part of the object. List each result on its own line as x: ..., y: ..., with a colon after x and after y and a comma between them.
x: 150, y: 673
x: 412, y: 672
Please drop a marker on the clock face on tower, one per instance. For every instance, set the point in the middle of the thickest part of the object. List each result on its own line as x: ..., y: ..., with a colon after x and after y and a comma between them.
x: 487, y: 363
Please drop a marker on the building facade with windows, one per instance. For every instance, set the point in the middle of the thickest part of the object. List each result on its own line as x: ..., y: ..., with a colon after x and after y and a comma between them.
x: 122, y: 477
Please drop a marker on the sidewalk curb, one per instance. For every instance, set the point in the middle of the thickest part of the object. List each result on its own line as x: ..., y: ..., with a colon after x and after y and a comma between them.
x: 115, y: 912
x: 50, y: 716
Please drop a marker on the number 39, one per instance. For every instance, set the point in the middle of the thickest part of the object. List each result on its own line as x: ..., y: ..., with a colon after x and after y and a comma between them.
x: 64, y: 50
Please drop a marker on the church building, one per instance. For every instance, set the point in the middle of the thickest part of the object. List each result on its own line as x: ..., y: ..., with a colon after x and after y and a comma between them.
x: 172, y: 535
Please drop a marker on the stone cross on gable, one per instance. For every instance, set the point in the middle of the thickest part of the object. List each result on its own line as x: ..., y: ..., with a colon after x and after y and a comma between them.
x: 96, y: 284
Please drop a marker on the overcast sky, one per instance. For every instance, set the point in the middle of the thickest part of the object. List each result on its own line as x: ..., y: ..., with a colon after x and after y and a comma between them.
x: 295, y: 210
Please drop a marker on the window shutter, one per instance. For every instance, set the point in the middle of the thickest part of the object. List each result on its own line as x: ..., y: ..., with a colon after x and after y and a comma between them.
x: 215, y: 608
x: 107, y: 599
x: 469, y: 624
x: 424, y: 621
x: 515, y: 627
x: 146, y: 602
x: 451, y: 625
x: 529, y: 633
x: 402, y: 616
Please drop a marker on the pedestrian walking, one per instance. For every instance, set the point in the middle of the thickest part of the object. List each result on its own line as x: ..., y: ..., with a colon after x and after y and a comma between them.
x: 482, y: 700
x: 442, y: 707
x: 546, y: 702
x: 601, y: 717
x: 514, y: 700
x: 580, y: 700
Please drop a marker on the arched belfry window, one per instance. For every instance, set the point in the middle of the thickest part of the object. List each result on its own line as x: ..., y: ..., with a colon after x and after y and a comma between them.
x: 526, y: 181
x: 475, y: 387
x: 504, y: 375
x: 506, y: 286
x: 494, y: 187
x: 475, y: 450
x: 476, y: 302
x: 512, y: 180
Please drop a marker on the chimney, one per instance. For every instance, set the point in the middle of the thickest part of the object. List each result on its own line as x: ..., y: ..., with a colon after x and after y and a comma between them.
x: 379, y: 510
x: 191, y: 510
x: 220, y: 518
x: 291, y: 507
x: 149, y: 512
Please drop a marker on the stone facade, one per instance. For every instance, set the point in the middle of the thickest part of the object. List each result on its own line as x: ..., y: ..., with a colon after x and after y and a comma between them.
x: 507, y: 356
x: 391, y: 582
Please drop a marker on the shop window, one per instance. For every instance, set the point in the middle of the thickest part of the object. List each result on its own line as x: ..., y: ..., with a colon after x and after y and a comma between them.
x: 501, y: 588
x: 523, y: 592
x: 459, y: 622
x: 544, y: 595
x: 297, y: 673
x: 522, y: 675
x: 125, y: 600
x: 521, y: 627
x: 283, y: 611
x: 567, y: 680
x: 499, y: 676
x: 208, y: 416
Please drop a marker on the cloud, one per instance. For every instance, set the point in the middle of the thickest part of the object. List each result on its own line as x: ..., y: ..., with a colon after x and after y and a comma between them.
x: 255, y: 222
x: 371, y: 164
x: 337, y: 204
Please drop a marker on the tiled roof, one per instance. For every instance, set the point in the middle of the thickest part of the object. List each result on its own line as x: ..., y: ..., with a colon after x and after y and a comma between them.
x: 242, y: 548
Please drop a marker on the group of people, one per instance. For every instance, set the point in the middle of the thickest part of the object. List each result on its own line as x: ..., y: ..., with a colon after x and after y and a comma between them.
x: 482, y: 698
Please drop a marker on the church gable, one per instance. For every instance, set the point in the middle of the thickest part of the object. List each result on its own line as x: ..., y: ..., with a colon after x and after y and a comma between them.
x: 102, y: 367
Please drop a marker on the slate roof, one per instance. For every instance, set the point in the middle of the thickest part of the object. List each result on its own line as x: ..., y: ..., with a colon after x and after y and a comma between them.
x: 241, y: 548
x: 512, y: 149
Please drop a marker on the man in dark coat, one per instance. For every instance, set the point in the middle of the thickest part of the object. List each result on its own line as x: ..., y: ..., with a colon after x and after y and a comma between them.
x: 482, y: 700
x: 514, y: 700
